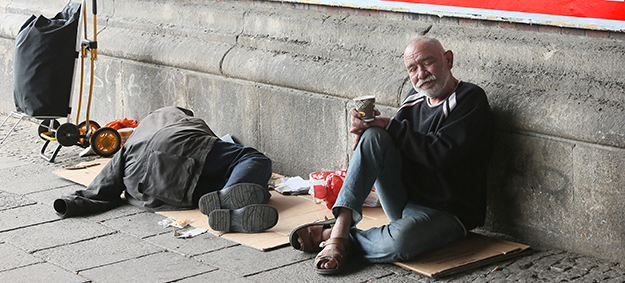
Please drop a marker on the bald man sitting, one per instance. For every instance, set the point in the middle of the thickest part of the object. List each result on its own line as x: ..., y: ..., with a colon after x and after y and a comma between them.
x: 428, y: 164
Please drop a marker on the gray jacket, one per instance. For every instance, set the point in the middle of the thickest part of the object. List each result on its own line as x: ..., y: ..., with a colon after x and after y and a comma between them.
x: 159, y: 165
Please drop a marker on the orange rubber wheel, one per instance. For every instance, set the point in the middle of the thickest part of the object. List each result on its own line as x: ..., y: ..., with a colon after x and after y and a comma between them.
x: 93, y: 126
x: 106, y: 141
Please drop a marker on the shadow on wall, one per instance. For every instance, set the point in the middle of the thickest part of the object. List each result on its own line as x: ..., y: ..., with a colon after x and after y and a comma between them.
x: 530, y: 191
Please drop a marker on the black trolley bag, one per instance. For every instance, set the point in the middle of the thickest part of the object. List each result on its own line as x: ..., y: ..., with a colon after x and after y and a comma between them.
x: 45, y: 57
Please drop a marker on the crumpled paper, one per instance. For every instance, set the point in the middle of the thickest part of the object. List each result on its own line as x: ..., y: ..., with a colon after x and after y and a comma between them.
x: 189, y: 232
x: 182, y: 227
x: 172, y: 222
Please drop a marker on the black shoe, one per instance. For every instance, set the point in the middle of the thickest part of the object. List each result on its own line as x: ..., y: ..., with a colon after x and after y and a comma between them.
x: 250, y: 219
x: 233, y: 197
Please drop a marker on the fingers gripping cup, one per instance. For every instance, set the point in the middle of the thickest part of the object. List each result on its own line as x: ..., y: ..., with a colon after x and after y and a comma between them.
x: 365, y: 106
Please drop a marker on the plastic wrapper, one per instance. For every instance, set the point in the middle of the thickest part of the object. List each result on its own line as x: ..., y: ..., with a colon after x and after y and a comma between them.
x: 325, y: 186
x: 122, y: 123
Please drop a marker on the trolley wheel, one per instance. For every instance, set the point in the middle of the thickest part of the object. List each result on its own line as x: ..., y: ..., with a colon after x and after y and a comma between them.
x: 44, y: 127
x: 106, y: 141
x: 67, y: 134
x: 86, y: 133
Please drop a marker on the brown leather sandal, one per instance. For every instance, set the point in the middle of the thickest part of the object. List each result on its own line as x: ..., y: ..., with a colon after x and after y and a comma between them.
x: 338, y: 255
x: 307, y: 237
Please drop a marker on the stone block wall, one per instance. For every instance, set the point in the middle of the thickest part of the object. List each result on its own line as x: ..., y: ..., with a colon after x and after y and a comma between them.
x: 280, y: 77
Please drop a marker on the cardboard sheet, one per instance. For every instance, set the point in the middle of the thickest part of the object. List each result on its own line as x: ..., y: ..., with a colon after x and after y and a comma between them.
x: 84, y: 172
x: 468, y: 253
x: 471, y: 252
x: 293, y: 211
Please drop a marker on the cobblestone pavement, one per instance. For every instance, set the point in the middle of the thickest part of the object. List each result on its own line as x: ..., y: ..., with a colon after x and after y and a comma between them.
x: 127, y: 245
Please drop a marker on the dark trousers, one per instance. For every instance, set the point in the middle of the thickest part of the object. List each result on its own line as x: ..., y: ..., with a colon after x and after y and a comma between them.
x: 228, y: 164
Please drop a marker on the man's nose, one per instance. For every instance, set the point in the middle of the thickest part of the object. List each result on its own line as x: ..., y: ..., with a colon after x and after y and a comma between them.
x: 422, y: 74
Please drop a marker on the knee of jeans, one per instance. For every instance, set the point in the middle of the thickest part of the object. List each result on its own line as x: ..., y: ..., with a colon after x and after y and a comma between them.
x: 410, y: 237
x: 257, y: 156
x: 399, y: 247
x: 376, y: 135
x: 265, y: 165
x: 264, y: 160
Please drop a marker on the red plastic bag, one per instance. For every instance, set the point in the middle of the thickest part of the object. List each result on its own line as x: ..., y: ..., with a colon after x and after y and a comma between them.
x: 122, y: 123
x: 326, y: 185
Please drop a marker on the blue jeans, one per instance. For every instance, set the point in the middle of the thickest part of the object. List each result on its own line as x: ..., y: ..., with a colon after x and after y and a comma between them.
x: 228, y: 164
x: 413, y: 229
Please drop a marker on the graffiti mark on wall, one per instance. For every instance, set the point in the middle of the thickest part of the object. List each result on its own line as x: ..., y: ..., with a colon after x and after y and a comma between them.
x: 162, y: 86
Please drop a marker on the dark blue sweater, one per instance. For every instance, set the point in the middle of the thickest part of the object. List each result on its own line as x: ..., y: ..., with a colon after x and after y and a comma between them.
x: 445, y: 151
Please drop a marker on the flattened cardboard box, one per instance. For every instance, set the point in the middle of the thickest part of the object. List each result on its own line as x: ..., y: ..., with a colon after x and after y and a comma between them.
x: 293, y: 211
x: 468, y: 253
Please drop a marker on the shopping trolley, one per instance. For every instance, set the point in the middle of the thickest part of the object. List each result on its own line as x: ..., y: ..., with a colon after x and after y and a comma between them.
x: 45, y: 59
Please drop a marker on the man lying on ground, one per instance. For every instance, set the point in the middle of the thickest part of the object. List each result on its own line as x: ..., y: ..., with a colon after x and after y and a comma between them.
x: 174, y: 161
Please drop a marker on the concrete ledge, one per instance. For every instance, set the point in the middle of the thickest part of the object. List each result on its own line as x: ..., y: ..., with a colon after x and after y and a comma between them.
x: 346, y: 79
x: 163, y: 49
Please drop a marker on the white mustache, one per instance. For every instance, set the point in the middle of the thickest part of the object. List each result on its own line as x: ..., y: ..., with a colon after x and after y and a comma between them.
x: 427, y: 79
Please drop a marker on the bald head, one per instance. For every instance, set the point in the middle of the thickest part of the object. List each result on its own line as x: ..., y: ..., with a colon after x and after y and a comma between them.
x: 429, y: 67
x: 423, y: 41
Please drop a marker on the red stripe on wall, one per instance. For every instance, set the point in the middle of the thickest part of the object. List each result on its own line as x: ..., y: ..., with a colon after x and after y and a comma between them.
x: 595, y: 9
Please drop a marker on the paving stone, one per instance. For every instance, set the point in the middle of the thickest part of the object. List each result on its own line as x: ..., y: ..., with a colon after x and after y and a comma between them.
x: 573, y: 274
x: 356, y: 271
x: 396, y: 278
x: 549, y: 259
x: 38, y: 178
x: 8, y: 162
x: 197, y: 245
x: 605, y: 271
x: 614, y: 273
x: 97, y: 252
x: 47, y: 197
x: 141, y: 225
x: 122, y: 211
x: 217, y: 276
x: 25, y: 216
x: 524, y: 276
x: 13, y: 257
x: 547, y: 274
x: 43, y: 272
x: 244, y: 260
x: 11, y: 200
x: 52, y: 234
x: 614, y: 280
x: 160, y: 267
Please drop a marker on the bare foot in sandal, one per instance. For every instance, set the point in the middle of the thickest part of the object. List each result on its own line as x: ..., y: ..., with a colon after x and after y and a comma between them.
x: 308, y: 237
x: 333, y: 258
x: 336, y: 249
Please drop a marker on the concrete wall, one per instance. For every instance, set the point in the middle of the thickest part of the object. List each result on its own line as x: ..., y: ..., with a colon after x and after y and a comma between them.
x: 280, y: 77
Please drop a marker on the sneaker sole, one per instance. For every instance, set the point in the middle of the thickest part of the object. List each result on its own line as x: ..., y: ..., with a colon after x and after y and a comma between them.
x: 233, y: 197
x: 250, y: 219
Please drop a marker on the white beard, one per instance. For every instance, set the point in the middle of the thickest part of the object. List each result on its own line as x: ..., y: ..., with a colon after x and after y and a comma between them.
x: 436, y: 90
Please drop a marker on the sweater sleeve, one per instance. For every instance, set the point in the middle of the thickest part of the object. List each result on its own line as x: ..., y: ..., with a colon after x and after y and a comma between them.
x: 455, y: 138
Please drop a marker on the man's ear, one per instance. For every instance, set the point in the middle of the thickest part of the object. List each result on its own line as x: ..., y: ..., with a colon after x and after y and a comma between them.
x: 449, y: 56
